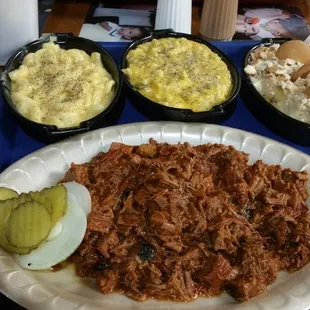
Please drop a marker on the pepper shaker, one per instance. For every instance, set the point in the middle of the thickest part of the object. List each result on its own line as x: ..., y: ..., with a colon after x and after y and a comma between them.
x: 218, y: 19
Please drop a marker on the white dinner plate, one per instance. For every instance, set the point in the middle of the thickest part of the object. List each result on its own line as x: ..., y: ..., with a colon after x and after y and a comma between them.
x: 64, y: 291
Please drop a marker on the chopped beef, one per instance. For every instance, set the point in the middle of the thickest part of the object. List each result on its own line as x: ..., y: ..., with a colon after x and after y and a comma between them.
x: 108, y: 281
x: 174, y: 222
x: 216, y: 272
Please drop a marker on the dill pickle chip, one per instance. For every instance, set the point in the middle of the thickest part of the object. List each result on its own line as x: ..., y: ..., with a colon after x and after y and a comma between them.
x: 58, y: 198
x: 43, y: 199
x: 39, y: 197
x: 6, y: 208
x: 28, y: 225
x: 53, y: 200
x: 7, y: 193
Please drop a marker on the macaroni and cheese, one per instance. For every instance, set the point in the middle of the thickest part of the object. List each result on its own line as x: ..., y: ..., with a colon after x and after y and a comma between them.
x: 179, y: 73
x: 61, y: 87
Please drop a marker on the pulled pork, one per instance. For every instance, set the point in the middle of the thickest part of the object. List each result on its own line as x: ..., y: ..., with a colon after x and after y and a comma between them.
x: 175, y: 222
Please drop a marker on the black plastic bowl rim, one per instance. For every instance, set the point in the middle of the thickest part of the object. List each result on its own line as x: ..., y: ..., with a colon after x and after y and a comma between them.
x: 169, y: 33
x: 52, y: 130
x: 250, y: 85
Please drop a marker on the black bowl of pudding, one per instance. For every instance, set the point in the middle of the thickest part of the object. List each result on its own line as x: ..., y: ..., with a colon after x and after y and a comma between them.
x: 276, y: 76
x: 179, y: 77
x: 62, y: 85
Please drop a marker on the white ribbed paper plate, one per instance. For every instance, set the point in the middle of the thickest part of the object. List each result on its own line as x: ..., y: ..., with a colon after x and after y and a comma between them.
x: 64, y: 291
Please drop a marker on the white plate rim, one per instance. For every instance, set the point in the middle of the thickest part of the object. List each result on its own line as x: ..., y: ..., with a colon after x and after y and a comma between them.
x: 299, y: 299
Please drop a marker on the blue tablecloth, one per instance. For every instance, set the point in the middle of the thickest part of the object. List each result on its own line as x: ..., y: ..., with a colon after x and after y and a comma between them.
x: 15, y: 143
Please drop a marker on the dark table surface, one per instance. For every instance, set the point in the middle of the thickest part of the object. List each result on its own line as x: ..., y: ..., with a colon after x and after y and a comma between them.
x: 15, y: 143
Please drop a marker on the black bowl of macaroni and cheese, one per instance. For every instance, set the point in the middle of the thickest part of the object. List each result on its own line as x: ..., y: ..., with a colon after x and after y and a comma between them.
x: 277, y: 77
x: 61, y: 85
x: 179, y: 77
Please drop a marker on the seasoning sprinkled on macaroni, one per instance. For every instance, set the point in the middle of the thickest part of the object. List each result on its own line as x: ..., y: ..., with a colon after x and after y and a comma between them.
x: 61, y: 87
x: 179, y: 73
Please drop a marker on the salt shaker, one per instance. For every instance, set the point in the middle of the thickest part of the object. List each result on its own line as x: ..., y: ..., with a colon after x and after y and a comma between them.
x: 174, y: 14
x: 19, y: 25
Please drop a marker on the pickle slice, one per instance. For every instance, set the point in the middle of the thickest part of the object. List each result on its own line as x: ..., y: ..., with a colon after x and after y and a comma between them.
x: 44, y: 200
x: 7, y: 193
x: 6, y: 208
x: 26, y: 220
x: 28, y: 225
x: 58, y: 197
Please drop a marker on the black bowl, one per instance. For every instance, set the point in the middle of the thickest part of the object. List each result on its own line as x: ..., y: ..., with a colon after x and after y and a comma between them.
x: 50, y: 133
x: 282, y: 124
x: 156, y: 111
